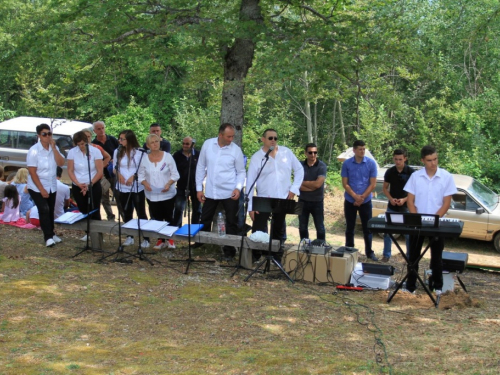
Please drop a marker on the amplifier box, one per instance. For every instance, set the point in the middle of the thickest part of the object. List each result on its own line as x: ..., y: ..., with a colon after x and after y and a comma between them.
x: 455, y: 262
x: 299, y: 265
x: 335, y: 269
x: 365, y: 280
x: 378, y: 269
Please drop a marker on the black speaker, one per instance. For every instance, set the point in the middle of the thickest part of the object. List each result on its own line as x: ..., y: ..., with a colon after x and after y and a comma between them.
x: 455, y: 262
x: 378, y: 269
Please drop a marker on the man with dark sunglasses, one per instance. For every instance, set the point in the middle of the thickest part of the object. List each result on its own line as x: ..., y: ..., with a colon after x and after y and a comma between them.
x: 275, y: 181
x: 312, y: 193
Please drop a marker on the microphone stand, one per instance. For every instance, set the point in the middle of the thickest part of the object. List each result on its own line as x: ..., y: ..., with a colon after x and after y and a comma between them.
x: 140, y: 252
x: 90, y: 207
x: 187, y: 194
x: 120, y: 249
x: 245, y: 207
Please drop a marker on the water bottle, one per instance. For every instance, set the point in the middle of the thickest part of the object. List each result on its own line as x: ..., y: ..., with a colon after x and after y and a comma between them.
x: 221, y: 225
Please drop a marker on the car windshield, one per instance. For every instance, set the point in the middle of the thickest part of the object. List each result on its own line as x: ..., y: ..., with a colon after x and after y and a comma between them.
x: 487, y: 197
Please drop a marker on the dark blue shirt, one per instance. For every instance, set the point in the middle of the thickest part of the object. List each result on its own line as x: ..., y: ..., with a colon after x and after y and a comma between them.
x: 358, y: 175
x: 312, y: 174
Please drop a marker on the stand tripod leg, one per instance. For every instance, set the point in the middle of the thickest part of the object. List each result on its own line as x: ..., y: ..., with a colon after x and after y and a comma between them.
x: 257, y: 268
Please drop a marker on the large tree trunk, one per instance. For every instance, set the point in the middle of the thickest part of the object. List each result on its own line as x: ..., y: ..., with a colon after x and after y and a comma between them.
x: 237, y: 62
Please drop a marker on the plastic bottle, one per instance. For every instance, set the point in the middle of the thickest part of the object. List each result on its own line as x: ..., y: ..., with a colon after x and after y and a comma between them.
x: 221, y: 225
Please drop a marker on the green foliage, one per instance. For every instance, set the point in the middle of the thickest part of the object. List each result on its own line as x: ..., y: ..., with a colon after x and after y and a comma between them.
x: 135, y: 118
x: 6, y: 114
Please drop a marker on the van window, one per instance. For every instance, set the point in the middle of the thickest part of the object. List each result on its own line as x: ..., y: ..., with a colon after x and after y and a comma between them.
x: 19, y: 140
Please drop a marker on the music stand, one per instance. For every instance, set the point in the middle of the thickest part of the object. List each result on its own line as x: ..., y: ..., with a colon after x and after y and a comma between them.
x: 412, y: 220
x: 273, y: 206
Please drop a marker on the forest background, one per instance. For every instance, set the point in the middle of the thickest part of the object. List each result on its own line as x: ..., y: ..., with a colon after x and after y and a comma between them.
x: 398, y: 74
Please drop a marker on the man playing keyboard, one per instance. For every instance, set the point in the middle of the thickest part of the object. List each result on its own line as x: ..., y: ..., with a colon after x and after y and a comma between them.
x: 429, y: 192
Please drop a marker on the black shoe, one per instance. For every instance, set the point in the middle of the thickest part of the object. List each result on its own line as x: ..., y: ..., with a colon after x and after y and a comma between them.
x: 373, y: 257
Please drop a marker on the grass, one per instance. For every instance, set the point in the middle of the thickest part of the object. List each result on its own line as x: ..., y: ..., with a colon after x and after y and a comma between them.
x: 60, y: 315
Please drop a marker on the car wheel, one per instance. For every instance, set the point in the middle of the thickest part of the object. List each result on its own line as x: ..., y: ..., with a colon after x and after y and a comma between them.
x: 496, y: 242
x: 396, y: 236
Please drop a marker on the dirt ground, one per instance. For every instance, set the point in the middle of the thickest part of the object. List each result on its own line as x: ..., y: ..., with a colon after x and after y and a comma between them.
x: 60, y: 314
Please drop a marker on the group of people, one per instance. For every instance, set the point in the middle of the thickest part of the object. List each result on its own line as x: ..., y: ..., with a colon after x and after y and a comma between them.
x: 217, y: 176
x: 426, y: 191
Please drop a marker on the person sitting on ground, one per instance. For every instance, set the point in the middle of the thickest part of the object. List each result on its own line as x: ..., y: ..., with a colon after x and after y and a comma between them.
x: 21, y: 182
x: 32, y: 216
x: 12, y: 203
x: 2, y: 187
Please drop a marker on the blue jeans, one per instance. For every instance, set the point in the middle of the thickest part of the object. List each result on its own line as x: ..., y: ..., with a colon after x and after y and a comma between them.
x: 315, y: 209
x: 365, y: 214
x: 388, y: 241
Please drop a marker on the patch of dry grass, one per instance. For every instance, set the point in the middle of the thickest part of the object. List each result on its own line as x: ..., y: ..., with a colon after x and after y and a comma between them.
x: 60, y: 315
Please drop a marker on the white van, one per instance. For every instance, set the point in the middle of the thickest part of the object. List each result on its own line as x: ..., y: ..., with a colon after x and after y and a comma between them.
x: 17, y: 135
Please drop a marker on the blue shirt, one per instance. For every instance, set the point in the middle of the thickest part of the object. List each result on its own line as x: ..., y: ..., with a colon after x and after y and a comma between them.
x: 358, y: 175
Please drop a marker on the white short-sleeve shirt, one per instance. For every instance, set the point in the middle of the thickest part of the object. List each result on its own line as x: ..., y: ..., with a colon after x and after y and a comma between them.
x: 429, y: 192
x: 46, y: 167
x: 81, y: 164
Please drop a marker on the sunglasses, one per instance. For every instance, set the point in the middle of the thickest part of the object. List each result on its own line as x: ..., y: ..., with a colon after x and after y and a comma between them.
x: 272, y: 138
x: 45, y: 134
x: 312, y: 152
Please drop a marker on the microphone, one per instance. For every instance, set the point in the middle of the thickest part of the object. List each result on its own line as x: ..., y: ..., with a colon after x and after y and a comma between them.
x: 193, y: 141
x: 268, y: 152
x: 143, y: 150
x: 120, y: 148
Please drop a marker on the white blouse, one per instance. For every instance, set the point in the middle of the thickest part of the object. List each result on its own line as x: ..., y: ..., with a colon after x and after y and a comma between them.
x: 46, y: 167
x: 158, y: 175
x: 127, y: 169
x: 81, y: 164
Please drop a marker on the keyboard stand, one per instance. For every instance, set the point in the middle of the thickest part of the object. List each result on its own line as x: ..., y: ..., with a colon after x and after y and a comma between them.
x: 411, y: 269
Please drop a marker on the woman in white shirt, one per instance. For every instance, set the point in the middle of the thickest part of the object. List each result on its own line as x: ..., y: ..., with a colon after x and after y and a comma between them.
x: 85, y: 181
x: 42, y: 161
x: 130, y: 194
x: 158, y: 174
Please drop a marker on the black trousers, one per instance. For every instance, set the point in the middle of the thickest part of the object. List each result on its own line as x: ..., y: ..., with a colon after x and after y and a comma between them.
x: 231, y: 208
x: 437, y: 247
x: 45, y: 211
x: 260, y: 223
x: 137, y: 201
x: 83, y: 200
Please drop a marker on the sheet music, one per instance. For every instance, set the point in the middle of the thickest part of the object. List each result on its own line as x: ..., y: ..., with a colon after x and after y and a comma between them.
x: 132, y: 224
x: 154, y: 225
x: 168, y: 230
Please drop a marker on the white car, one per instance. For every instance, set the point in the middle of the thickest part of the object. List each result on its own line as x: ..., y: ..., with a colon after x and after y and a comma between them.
x: 474, y: 204
x: 17, y: 135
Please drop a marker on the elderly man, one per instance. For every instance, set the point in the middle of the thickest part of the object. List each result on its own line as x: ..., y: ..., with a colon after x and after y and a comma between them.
x: 221, y: 162
x: 185, y: 156
x: 109, y: 144
x: 155, y: 128
x: 275, y: 181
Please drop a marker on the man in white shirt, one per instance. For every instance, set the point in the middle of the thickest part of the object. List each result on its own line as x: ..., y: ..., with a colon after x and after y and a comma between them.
x: 62, y: 195
x: 275, y: 181
x: 429, y: 192
x: 221, y: 162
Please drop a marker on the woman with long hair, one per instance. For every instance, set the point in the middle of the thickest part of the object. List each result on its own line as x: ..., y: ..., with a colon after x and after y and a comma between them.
x: 12, y: 202
x: 42, y: 161
x: 85, y: 180
x: 158, y: 175
x: 127, y: 159
x: 21, y: 183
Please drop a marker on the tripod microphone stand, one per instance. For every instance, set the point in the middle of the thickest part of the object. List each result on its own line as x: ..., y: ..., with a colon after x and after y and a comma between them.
x: 187, y: 195
x: 120, y: 250
x: 90, y: 208
x: 245, y: 207
x: 274, y: 206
